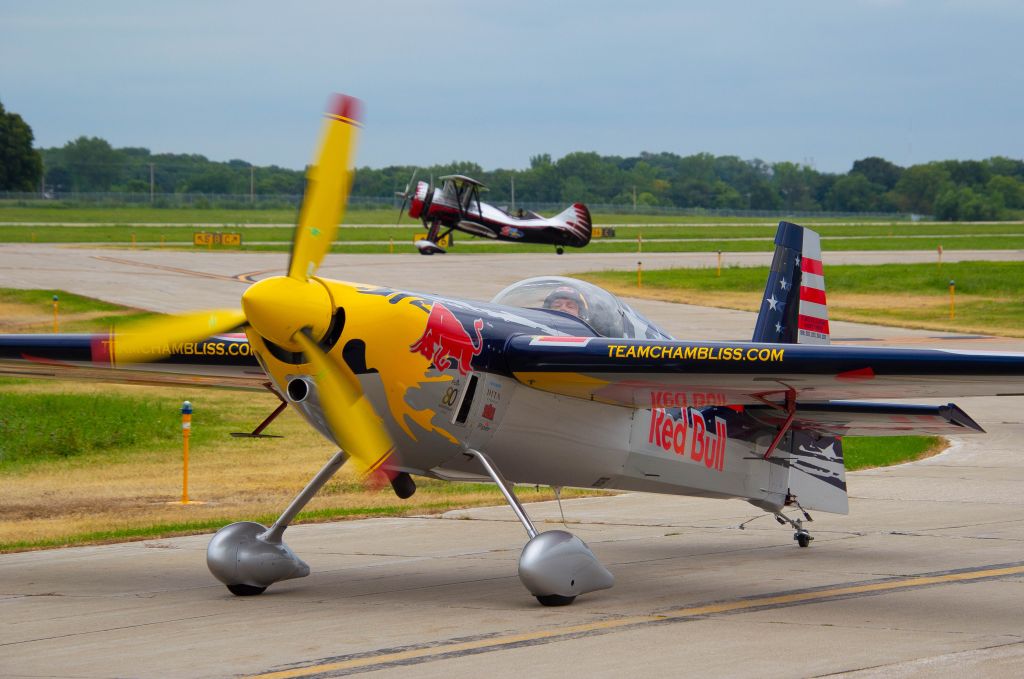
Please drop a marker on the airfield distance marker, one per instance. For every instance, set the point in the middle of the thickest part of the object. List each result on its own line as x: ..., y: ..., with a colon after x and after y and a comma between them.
x: 186, y: 430
x: 952, y: 299
x: 639, y: 274
x: 56, y: 325
x: 719, y: 273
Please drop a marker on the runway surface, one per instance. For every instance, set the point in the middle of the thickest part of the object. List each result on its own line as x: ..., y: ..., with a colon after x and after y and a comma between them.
x: 925, y: 577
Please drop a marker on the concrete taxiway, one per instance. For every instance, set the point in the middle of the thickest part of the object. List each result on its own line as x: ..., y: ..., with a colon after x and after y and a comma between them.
x: 925, y: 577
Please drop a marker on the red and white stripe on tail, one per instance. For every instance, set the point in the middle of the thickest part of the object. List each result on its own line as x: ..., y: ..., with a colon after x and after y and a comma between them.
x: 577, y: 218
x: 812, y: 317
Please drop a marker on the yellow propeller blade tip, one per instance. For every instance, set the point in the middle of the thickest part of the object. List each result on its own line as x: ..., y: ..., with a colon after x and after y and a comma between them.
x: 328, y: 181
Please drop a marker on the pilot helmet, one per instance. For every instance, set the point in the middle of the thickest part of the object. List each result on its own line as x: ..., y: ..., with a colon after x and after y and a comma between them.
x: 570, y: 293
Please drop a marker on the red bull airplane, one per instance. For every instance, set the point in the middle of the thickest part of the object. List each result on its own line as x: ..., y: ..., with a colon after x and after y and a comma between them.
x: 456, y: 206
x: 553, y: 382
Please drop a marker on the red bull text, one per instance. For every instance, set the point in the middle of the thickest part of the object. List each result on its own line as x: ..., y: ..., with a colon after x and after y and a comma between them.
x: 445, y: 340
x: 690, y: 435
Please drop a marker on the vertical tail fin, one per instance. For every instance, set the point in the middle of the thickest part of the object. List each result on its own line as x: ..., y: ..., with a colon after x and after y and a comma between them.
x: 577, y: 218
x: 794, y: 310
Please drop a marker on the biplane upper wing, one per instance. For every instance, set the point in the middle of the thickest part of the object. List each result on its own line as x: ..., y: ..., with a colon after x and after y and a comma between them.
x: 463, y: 180
x: 221, y: 361
x: 657, y: 373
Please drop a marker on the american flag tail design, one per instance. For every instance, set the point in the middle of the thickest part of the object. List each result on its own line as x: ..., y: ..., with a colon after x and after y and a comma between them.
x: 794, y: 310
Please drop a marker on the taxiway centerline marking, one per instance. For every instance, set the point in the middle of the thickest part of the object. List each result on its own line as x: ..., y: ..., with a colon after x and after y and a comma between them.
x: 502, y: 642
x: 172, y: 269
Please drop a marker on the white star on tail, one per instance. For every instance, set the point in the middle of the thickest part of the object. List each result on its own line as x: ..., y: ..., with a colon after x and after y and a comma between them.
x: 784, y: 284
x: 773, y: 303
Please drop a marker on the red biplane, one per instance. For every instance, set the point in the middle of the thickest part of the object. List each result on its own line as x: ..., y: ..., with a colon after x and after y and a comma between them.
x: 456, y: 206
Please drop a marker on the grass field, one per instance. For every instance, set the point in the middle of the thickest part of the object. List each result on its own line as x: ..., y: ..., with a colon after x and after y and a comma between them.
x: 868, y: 452
x: 989, y: 295
x: 385, y: 216
x: 173, y: 228
x: 83, y: 463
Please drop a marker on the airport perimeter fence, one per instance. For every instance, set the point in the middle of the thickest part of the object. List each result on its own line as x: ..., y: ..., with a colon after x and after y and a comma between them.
x: 285, y: 201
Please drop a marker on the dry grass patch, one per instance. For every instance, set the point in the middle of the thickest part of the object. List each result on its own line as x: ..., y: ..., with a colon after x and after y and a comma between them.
x: 113, y: 495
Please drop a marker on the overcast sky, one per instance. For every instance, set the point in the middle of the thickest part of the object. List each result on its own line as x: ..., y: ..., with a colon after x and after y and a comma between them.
x: 823, y: 83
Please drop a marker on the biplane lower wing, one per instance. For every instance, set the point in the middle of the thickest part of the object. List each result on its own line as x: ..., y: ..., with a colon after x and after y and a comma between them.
x: 657, y: 373
x: 222, y: 361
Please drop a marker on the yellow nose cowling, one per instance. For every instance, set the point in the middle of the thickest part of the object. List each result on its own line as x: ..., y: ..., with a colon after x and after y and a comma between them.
x: 279, y: 307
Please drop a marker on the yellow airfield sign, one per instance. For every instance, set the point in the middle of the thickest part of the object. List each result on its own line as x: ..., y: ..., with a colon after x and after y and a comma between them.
x: 443, y: 241
x: 208, y: 239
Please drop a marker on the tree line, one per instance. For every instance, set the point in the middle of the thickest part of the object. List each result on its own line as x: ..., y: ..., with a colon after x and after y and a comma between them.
x: 950, y: 189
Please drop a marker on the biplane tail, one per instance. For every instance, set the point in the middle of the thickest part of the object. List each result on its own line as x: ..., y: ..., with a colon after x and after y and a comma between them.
x: 794, y: 310
x: 577, y: 218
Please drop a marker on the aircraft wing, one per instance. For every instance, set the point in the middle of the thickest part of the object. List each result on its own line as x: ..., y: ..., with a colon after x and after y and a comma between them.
x: 221, y: 361
x: 667, y: 374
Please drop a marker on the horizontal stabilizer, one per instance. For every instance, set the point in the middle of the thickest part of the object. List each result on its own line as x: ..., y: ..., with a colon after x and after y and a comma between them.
x: 850, y: 418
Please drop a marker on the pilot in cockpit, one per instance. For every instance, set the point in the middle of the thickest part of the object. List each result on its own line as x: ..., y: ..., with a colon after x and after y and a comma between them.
x: 606, y: 315
x: 569, y: 300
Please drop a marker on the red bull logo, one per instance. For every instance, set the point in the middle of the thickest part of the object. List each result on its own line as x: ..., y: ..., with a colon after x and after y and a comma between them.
x: 445, y: 340
x: 697, y: 438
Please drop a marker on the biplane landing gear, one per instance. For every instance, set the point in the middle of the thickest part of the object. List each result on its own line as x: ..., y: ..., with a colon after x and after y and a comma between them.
x: 427, y: 247
x: 555, y: 566
x: 559, y: 250
x: 248, y: 557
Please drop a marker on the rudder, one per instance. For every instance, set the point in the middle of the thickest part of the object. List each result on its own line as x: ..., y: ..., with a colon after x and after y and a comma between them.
x: 794, y: 309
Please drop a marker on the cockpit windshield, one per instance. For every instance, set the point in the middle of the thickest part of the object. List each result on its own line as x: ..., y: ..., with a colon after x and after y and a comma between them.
x: 604, y: 312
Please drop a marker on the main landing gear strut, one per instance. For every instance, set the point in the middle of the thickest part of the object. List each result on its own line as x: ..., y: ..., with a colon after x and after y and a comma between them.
x: 248, y: 557
x: 555, y: 566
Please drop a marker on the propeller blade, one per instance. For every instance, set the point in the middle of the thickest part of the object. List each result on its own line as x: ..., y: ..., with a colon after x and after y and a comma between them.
x: 427, y: 202
x: 400, y: 211
x: 328, y: 182
x: 405, y: 195
x: 353, y: 421
x: 152, y: 340
x: 412, y: 181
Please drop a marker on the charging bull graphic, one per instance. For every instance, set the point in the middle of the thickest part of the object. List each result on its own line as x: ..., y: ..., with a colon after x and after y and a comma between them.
x: 444, y: 340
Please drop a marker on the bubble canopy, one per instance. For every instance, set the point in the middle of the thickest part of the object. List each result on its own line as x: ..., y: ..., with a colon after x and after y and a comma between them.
x: 601, y: 310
